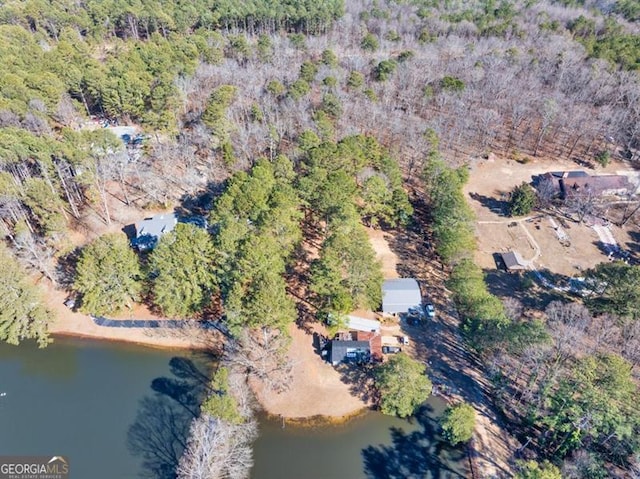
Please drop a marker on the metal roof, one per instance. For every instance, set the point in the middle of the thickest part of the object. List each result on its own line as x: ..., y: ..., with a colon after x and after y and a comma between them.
x: 513, y: 260
x: 400, y: 295
x: 361, y: 324
x: 156, y: 226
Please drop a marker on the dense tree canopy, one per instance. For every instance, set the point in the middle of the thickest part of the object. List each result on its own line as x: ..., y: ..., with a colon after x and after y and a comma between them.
x: 451, y: 214
x: 402, y: 384
x: 182, y: 271
x: 23, y: 314
x: 616, y: 288
x: 257, y: 223
x: 108, y: 275
x: 458, y: 423
x: 347, y: 275
x: 597, y: 402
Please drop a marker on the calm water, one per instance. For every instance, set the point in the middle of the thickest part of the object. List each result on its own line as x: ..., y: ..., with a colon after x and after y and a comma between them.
x: 120, y: 412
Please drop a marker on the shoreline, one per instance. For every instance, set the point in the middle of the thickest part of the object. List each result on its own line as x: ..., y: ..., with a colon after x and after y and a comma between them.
x: 79, y: 325
x: 132, y: 342
x: 317, y: 420
x: 75, y: 324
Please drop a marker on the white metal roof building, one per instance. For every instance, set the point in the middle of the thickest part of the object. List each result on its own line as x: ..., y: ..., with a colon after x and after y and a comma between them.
x: 356, y: 323
x: 400, y: 295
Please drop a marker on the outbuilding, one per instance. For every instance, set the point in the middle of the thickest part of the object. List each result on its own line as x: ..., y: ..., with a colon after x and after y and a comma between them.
x: 356, y: 323
x: 400, y: 295
x: 513, y: 261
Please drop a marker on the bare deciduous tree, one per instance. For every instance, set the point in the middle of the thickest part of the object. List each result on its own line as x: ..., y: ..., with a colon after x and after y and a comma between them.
x: 217, y: 449
x: 33, y: 251
x: 262, y: 354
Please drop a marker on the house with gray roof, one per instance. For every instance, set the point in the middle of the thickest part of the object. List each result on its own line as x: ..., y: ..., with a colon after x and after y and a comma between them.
x: 150, y: 230
x: 349, y: 351
x: 400, y: 295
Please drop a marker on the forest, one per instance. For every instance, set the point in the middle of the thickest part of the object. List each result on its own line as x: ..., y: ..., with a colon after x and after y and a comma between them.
x: 310, y: 120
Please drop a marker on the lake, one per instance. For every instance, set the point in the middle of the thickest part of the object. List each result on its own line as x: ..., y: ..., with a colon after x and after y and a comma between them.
x: 120, y: 411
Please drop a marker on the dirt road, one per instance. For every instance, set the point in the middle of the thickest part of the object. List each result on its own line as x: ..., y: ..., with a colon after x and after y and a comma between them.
x: 452, y: 367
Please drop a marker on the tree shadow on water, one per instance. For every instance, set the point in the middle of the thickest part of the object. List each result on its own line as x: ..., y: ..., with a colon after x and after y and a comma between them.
x: 418, y: 454
x: 161, y: 428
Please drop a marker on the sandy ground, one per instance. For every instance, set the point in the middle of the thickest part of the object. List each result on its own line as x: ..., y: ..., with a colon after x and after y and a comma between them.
x: 535, y: 238
x: 316, y: 387
x: 388, y: 259
x: 69, y: 323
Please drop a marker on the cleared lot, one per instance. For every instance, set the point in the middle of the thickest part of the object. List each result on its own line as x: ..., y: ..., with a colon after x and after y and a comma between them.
x: 562, y: 247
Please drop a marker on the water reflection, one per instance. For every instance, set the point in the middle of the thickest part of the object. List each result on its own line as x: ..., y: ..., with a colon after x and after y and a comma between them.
x: 372, y: 446
x: 36, y: 361
x: 160, y: 431
x: 108, y: 407
x: 416, y: 454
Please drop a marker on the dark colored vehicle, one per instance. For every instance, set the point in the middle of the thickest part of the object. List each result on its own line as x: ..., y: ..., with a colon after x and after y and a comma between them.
x: 391, y: 349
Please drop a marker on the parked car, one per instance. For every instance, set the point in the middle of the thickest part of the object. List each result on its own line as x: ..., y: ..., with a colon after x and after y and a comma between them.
x: 403, y: 340
x: 431, y: 311
x: 70, y: 302
x: 414, y: 316
x: 391, y: 349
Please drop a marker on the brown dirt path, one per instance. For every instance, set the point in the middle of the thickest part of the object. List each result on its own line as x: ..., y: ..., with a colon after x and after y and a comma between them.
x: 388, y: 259
x: 449, y: 364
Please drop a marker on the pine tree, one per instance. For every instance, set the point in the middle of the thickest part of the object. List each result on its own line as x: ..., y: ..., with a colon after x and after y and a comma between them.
x: 458, y: 423
x: 108, y: 275
x: 181, y: 270
x: 22, y: 315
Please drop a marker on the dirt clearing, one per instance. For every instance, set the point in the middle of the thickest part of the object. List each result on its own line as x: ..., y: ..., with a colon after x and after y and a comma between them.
x: 316, y: 388
x: 380, y: 243
x: 549, y: 242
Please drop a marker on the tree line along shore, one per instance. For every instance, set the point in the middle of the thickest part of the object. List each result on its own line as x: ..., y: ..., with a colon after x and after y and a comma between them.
x: 288, y: 127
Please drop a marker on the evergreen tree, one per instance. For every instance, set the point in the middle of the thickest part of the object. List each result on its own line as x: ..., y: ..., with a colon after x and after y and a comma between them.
x: 458, y: 423
x: 523, y: 200
x: 220, y: 403
x: 616, y: 289
x: 108, y: 275
x: 537, y: 470
x: 182, y: 271
x: 595, y: 403
x: 347, y: 274
x: 402, y: 385
x: 23, y: 314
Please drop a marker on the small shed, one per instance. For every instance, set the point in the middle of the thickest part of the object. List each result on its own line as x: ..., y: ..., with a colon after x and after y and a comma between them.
x: 149, y: 230
x: 400, y: 295
x: 349, y: 351
x: 513, y: 261
x: 356, y: 323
